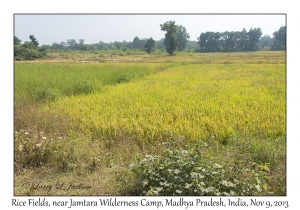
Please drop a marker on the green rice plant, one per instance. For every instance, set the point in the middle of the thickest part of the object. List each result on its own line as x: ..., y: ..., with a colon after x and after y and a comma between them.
x: 40, y: 82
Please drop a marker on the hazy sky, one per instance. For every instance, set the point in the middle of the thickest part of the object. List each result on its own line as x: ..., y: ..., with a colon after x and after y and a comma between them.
x: 94, y: 28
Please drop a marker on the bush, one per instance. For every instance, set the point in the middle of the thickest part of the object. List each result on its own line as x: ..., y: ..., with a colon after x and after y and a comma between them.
x: 188, y: 172
x: 32, y: 150
x: 24, y: 53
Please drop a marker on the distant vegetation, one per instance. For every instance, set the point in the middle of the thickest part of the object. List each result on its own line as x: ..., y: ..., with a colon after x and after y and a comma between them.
x: 28, y: 50
x: 176, y: 39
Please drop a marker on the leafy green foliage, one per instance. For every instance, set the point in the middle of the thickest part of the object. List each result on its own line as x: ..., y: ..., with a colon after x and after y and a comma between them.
x: 171, y: 40
x: 189, y: 172
x: 230, y: 41
x: 23, y: 52
x: 33, y: 40
x: 17, y: 41
x: 280, y: 39
x: 150, y: 45
x: 266, y: 41
x: 182, y: 37
x: 29, y: 50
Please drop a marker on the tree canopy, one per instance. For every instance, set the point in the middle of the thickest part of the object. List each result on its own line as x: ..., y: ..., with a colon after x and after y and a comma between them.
x: 17, y: 41
x: 280, y: 39
x: 150, y: 45
x: 182, y: 37
x: 171, y: 40
x: 230, y: 41
x: 33, y: 40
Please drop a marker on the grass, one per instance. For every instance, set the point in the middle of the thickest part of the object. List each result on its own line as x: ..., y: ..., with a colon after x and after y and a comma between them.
x: 48, y: 81
x: 98, y: 118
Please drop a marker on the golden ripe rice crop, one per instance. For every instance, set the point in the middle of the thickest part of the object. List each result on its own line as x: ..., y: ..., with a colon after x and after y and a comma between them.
x: 220, y: 101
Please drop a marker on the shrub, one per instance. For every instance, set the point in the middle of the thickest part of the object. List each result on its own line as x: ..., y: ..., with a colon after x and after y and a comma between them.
x: 25, y: 53
x: 32, y: 150
x: 189, y: 172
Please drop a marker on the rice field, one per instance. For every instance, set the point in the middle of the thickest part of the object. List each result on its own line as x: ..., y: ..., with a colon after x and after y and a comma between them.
x: 191, y: 101
x: 236, y: 102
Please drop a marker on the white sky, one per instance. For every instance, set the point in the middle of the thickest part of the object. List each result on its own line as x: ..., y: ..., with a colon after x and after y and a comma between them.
x: 94, y: 28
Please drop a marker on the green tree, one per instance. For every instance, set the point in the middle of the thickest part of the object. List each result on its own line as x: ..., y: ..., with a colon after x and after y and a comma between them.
x: 229, y: 41
x: 92, y: 48
x: 266, y: 41
x: 210, y: 42
x: 135, y: 43
x: 242, y: 40
x: 118, y: 45
x: 17, y: 41
x: 72, y: 44
x: 150, y: 45
x: 280, y: 39
x: 138, y: 43
x: 55, y: 46
x: 171, y: 41
x: 182, y: 37
x: 81, y: 41
x: 202, y: 40
x: 81, y: 45
x: 62, y: 45
x: 254, y: 36
x: 33, y: 40
x: 84, y: 47
x: 29, y: 45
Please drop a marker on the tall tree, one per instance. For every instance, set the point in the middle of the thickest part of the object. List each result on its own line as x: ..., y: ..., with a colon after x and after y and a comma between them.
x: 138, y: 43
x: 280, y: 39
x: 229, y: 41
x: 62, y: 45
x: 81, y: 41
x: 55, y: 46
x: 254, y: 36
x: 72, y: 44
x: 33, y: 40
x: 266, y: 41
x: 118, y: 45
x: 202, y: 40
x: 242, y: 40
x: 182, y: 37
x: 150, y: 45
x: 171, y: 41
x: 210, y: 42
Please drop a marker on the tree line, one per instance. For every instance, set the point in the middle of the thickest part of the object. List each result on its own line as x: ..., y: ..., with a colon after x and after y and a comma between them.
x: 236, y: 41
x: 176, y: 39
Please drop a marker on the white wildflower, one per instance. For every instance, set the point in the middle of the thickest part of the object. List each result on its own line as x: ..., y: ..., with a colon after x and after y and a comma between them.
x: 21, y: 147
